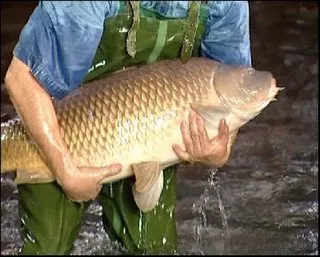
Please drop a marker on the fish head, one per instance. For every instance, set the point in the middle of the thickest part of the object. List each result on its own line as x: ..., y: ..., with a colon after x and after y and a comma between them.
x: 245, y: 90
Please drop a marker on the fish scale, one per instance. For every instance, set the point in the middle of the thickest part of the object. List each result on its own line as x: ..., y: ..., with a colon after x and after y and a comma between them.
x: 124, y: 103
x: 130, y: 116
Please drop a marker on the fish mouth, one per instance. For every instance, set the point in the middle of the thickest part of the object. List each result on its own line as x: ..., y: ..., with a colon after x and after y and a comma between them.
x: 273, y: 82
x: 274, y: 89
x: 265, y: 99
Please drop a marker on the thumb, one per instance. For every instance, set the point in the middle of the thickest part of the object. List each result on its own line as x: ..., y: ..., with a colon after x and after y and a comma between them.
x: 102, y: 172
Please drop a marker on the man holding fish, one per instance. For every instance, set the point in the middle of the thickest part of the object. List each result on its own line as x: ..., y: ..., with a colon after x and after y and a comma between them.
x: 65, y: 44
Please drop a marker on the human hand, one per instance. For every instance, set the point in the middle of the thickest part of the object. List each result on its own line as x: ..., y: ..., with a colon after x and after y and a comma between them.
x: 198, y: 146
x: 85, y: 183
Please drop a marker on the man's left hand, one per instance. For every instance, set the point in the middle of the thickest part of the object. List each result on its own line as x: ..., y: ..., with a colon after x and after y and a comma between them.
x: 199, y: 147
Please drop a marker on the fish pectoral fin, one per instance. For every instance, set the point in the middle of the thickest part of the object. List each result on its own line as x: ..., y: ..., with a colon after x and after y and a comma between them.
x: 146, y: 174
x: 212, y: 114
x: 33, y: 177
x: 148, y: 186
x: 147, y: 200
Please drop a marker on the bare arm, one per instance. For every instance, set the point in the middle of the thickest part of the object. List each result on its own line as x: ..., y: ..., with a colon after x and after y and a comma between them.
x: 35, y: 107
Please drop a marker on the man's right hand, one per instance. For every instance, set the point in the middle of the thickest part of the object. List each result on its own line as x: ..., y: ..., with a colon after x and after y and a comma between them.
x: 85, y: 183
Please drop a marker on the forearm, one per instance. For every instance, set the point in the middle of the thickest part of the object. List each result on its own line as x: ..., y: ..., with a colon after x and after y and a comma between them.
x: 35, y: 107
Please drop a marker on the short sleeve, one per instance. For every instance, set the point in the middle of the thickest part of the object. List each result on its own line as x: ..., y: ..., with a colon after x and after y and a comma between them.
x: 59, y: 42
x: 227, y: 37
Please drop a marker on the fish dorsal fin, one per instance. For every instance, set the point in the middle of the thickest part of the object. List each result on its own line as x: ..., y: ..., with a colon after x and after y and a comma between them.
x: 212, y: 114
x: 148, y: 186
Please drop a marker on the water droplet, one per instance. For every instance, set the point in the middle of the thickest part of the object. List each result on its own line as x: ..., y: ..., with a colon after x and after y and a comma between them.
x: 32, y: 240
x: 123, y: 30
x: 111, y: 190
x: 140, y: 222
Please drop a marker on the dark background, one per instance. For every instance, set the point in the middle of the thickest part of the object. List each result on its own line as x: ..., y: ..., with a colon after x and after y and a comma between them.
x: 269, y: 186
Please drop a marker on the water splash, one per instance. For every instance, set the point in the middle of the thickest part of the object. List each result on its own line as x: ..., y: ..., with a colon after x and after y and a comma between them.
x: 213, y: 182
x: 200, y: 208
x: 201, y: 220
x: 96, y: 243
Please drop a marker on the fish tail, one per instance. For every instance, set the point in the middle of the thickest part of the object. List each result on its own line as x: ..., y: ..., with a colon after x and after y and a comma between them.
x: 17, y: 150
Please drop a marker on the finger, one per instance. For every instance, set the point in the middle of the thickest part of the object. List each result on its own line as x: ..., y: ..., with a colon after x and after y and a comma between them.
x: 223, y: 127
x: 183, y: 155
x: 102, y: 172
x: 223, y: 133
x: 193, y: 128
x: 186, y: 137
x: 110, y: 171
x: 203, y: 135
x: 220, y: 142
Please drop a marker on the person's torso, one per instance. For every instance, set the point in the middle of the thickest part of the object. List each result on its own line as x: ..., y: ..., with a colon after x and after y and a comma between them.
x: 141, y: 34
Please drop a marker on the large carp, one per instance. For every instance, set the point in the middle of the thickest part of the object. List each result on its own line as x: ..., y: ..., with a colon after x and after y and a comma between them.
x: 133, y: 117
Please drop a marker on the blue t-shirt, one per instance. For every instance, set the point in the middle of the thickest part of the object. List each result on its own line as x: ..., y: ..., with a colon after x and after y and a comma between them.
x: 60, y: 38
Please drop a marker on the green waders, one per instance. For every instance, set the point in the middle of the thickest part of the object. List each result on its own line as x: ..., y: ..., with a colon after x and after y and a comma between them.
x: 50, y: 221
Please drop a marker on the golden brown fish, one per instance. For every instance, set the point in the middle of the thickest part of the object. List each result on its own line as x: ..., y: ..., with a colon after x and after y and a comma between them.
x: 133, y: 117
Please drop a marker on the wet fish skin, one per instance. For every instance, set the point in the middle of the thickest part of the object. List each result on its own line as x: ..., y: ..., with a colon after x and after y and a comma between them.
x: 134, y: 116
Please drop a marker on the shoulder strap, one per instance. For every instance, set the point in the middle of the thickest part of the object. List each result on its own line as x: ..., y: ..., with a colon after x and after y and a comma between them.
x: 132, y: 33
x: 191, y: 30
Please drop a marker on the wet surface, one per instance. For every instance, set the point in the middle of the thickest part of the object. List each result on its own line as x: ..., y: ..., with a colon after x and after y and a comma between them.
x: 265, y: 200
